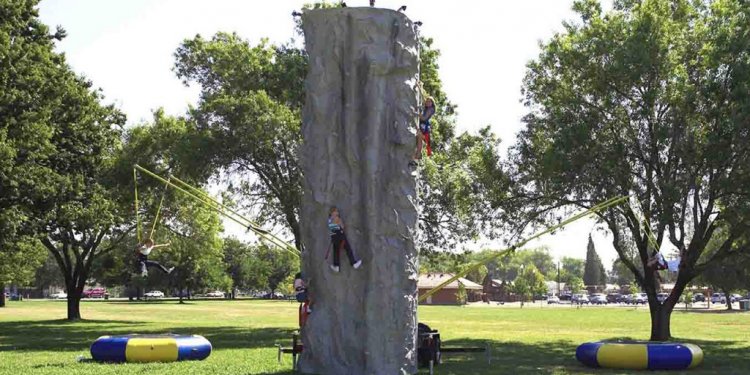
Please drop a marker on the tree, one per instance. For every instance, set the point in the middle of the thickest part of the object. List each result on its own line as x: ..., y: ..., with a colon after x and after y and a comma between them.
x: 572, y: 268
x: 727, y: 275
x: 250, y: 114
x: 251, y: 98
x: 48, y: 274
x: 18, y: 262
x: 529, y: 282
x: 621, y: 274
x: 57, y: 143
x: 279, y: 265
x: 30, y: 90
x: 594, y: 273
x: 576, y: 284
x: 242, y: 266
x: 649, y: 101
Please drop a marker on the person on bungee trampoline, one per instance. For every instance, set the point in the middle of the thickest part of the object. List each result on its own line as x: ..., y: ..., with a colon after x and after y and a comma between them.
x: 338, y: 238
x: 142, y: 252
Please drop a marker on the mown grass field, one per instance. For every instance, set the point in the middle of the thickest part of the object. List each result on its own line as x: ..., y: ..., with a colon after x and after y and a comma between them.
x: 532, y: 340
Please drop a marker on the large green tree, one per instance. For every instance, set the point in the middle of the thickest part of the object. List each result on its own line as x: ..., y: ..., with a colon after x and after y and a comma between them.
x: 30, y: 77
x: 57, y: 142
x: 650, y: 101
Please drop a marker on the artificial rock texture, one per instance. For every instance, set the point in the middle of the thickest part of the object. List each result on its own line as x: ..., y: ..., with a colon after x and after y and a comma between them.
x: 359, y: 129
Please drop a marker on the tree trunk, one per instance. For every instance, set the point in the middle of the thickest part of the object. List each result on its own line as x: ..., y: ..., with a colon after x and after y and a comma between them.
x: 2, y: 295
x: 74, y: 302
x: 728, y: 299
x: 359, y: 138
x: 660, y: 322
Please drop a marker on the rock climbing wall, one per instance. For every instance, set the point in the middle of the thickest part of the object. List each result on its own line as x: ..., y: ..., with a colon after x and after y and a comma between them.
x: 359, y: 134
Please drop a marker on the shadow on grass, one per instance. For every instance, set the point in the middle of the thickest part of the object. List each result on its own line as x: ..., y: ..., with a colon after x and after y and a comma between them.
x: 64, y: 335
x: 558, y: 357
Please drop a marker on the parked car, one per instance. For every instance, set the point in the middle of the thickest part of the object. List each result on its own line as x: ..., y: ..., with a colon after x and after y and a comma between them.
x: 598, y: 299
x: 614, y: 297
x: 580, y: 299
x: 59, y: 295
x: 699, y: 297
x: 94, y: 293
x: 553, y: 299
x: 661, y: 297
x: 637, y: 298
x: 735, y: 298
x: 718, y: 298
x: 641, y: 298
x: 275, y: 295
x: 154, y: 294
x: 215, y: 294
x: 565, y: 297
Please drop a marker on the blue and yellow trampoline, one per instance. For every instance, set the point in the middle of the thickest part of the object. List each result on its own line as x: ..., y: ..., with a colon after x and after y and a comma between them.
x: 150, y: 348
x: 640, y: 356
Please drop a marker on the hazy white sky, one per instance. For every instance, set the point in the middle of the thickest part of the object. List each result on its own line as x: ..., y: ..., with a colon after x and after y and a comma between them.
x: 126, y: 48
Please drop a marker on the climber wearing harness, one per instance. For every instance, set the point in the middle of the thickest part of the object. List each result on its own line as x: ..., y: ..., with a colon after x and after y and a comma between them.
x: 338, y: 238
x: 142, y: 251
x: 425, y: 128
x: 300, y: 290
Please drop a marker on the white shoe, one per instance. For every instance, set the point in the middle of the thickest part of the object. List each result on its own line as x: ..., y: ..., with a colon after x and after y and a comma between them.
x: 335, y: 268
x: 357, y: 264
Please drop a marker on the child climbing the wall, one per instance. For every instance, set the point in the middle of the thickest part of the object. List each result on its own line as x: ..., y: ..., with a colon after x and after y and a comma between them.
x: 425, y: 128
x: 338, y: 238
x: 142, y: 251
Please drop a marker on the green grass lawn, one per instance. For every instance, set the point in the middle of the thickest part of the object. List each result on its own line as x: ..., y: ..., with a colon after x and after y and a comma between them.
x: 33, y: 339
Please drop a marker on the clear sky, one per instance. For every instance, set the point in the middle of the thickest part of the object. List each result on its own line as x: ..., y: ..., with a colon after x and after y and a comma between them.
x: 126, y: 48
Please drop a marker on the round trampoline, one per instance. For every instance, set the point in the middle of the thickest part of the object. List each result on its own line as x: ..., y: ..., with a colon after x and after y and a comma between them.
x: 640, y: 355
x: 150, y: 348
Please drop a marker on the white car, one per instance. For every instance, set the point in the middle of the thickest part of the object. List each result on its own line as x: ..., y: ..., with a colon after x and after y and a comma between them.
x: 661, y: 297
x: 718, y: 298
x: 59, y: 295
x: 553, y: 299
x: 216, y: 294
x: 154, y: 294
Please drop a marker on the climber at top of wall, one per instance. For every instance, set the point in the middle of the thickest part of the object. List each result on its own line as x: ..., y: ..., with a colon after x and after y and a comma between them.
x: 338, y: 238
x: 423, y: 132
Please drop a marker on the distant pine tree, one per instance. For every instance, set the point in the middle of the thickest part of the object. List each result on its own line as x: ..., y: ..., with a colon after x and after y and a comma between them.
x: 593, y: 272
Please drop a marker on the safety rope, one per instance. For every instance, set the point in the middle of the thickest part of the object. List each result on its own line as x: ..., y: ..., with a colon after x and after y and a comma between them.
x: 158, y: 211
x: 137, y: 214
x: 210, y: 203
x: 593, y: 210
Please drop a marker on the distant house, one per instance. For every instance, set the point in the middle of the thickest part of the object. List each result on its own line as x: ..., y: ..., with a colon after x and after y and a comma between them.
x: 554, y: 288
x: 498, y: 290
x: 448, y: 295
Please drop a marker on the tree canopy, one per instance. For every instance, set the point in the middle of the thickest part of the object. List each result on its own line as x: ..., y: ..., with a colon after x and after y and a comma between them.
x: 650, y: 101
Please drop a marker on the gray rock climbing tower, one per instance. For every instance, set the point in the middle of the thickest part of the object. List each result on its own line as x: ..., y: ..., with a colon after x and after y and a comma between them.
x: 359, y: 134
